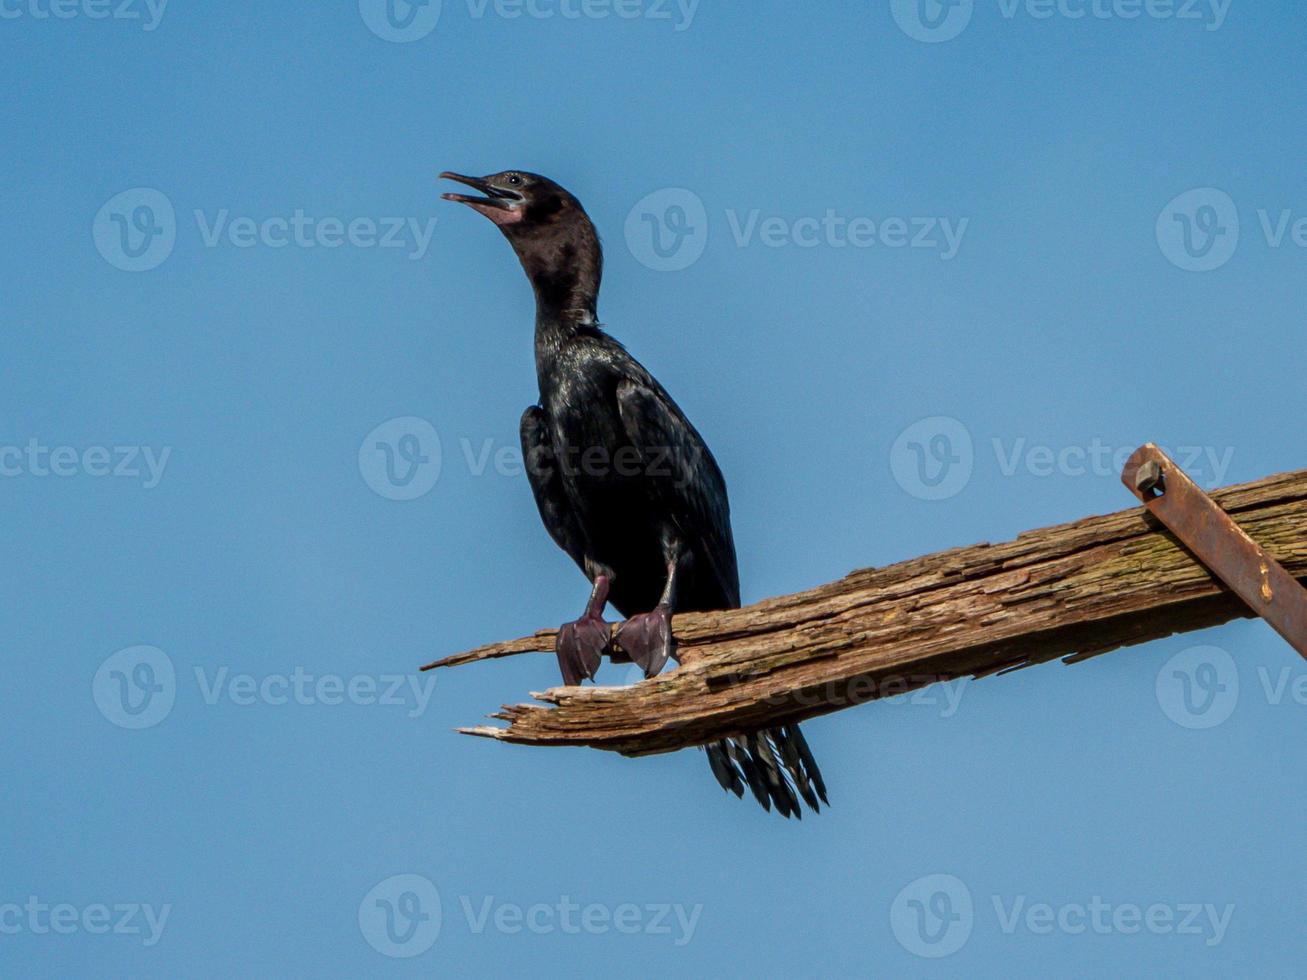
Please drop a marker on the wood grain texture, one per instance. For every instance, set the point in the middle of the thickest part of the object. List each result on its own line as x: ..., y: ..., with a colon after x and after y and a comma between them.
x: 1072, y: 591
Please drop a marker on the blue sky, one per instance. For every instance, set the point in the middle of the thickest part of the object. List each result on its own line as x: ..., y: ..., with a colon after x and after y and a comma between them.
x: 922, y: 273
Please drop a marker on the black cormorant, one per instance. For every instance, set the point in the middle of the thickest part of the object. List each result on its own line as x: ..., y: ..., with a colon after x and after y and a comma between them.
x: 624, y: 483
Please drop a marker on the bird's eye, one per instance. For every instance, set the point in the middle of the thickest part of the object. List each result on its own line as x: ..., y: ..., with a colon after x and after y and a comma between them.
x: 515, y: 178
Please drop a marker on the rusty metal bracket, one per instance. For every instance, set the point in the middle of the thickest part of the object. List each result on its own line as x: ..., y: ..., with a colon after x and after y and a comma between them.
x: 1218, y: 542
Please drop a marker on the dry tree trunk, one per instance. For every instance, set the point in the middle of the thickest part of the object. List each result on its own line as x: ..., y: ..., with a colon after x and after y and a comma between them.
x: 1075, y: 591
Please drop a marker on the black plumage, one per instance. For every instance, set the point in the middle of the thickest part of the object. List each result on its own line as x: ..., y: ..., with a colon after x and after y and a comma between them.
x: 623, y: 481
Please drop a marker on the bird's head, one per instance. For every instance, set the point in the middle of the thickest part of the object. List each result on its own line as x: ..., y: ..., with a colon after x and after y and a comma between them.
x: 548, y: 229
x: 515, y: 197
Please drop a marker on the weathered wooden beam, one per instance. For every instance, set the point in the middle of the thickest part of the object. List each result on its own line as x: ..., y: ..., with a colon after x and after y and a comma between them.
x: 1074, y: 591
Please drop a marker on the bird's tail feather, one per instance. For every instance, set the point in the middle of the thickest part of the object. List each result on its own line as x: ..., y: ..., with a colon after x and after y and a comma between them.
x: 777, y: 766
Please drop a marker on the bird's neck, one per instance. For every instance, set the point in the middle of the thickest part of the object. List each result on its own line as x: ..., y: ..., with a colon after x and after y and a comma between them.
x: 566, y: 308
x: 565, y: 272
x: 555, y: 329
x: 564, y: 263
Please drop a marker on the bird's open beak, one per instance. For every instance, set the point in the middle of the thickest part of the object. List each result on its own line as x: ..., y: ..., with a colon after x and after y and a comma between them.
x: 500, y: 205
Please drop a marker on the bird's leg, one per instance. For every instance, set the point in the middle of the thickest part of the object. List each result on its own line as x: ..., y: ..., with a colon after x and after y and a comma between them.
x: 647, y: 638
x: 582, y: 642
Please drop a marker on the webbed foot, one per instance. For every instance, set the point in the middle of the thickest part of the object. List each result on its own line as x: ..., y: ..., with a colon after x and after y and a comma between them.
x: 647, y: 639
x: 580, y: 646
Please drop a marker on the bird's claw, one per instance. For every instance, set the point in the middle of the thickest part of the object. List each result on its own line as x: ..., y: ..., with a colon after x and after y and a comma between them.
x: 647, y: 639
x: 580, y: 646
